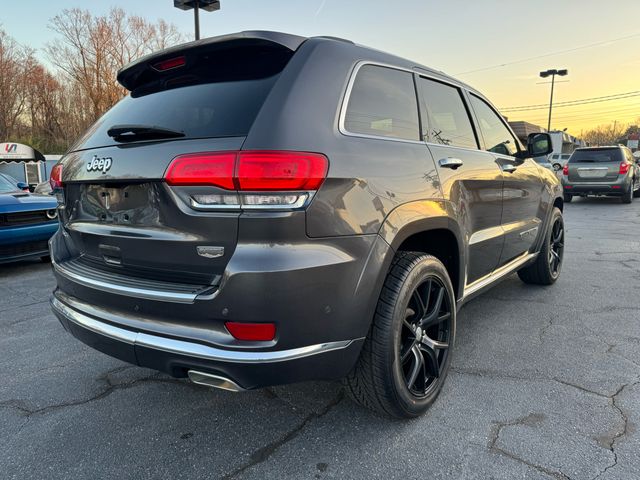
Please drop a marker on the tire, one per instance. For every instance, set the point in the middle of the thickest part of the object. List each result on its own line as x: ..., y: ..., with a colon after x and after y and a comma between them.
x: 46, y: 259
x: 567, y: 197
x: 557, y: 167
x: 543, y: 271
x: 628, y: 195
x: 381, y: 378
x: 636, y: 193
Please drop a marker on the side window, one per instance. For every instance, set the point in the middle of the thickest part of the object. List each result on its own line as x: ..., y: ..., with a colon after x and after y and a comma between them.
x: 497, y: 137
x: 383, y: 103
x: 449, y: 121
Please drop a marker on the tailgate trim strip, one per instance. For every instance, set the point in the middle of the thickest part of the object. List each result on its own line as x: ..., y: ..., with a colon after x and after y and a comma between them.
x: 158, y: 294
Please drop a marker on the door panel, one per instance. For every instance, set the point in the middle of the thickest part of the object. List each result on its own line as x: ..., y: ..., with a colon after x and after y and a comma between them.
x: 475, y: 189
x: 521, y: 213
x: 522, y: 185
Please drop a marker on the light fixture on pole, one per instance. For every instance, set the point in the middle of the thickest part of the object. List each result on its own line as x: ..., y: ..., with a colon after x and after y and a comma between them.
x: 206, y: 5
x: 553, y: 72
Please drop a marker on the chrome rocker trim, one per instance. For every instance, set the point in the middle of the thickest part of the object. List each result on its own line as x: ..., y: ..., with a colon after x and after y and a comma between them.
x: 191, y: 349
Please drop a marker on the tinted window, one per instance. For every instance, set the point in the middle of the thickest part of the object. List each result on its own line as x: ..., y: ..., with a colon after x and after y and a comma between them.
x: 564, y: 157
x: 449, y: 122
x: 220, y: 109
x: 597, y: 155
x: 383, y: 103
x: 497, y: 137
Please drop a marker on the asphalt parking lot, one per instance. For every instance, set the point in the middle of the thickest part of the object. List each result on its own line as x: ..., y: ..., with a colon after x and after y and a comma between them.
x: 545, y: 384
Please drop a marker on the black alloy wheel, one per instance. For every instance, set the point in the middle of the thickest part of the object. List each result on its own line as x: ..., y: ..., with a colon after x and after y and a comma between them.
x: 556, y: 247
x: 424, y: 341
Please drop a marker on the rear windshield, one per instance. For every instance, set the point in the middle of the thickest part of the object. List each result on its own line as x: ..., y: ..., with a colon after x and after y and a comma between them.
x: 597, y: 155
x: 219, y: 96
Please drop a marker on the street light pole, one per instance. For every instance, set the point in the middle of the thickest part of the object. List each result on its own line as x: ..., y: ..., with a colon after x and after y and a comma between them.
x: 196, y: 19
x: 207, y: 5
x: 553, y: 73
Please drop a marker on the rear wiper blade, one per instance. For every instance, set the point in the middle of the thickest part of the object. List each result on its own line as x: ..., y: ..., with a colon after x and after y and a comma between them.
x: 123, y: 133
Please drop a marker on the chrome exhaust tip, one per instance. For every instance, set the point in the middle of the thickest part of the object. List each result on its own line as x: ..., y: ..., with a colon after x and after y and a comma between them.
x: 214, y: 381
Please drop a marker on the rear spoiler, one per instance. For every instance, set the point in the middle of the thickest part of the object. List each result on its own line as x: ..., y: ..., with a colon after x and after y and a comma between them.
x: 142, y: 71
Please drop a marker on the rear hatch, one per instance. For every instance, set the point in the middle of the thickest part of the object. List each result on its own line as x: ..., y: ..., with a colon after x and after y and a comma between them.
x: 595, y: 165
x: 120, y: 215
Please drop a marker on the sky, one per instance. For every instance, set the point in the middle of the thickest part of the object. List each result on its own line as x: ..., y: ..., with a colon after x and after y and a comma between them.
x: 497, y: 46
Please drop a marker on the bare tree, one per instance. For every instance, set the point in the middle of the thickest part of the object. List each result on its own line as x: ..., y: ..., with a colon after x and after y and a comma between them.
x: 605, y: 134
x: 91, y: 50
x: 16, y: 65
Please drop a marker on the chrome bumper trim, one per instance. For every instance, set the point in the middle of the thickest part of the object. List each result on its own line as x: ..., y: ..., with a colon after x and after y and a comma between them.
x: 191, y: 349
x: 136, y: 292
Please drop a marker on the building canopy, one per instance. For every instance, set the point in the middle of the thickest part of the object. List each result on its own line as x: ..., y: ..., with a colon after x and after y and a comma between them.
x: 17, y: 152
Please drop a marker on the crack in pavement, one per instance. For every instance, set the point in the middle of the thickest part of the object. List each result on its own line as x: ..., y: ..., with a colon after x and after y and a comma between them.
x: 24, y: 410
x: 619, y: 434
x: 531, y: 420
x: 264, y: 453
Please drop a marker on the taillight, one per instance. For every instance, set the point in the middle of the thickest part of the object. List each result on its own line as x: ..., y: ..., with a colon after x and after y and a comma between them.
x: 252, y: 331
x: 215, y: 169
x: 258, y: 179
x: 624, y: 168
x: 565, y: 169
x: 56, y: 177
x: 281, y: 171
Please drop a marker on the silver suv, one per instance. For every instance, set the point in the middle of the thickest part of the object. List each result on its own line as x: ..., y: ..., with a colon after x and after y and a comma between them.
x: 609, y: 171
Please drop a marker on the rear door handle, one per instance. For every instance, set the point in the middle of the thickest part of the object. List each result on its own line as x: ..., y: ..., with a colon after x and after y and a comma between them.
x: 509, y: 167
x: 450, y: 162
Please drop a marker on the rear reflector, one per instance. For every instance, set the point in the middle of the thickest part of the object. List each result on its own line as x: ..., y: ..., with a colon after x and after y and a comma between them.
x: 252, y: 331
x: 170, y: 64
x: 250, y: 170
x: 56, y: 177
x: 568, y: 187
x: 616, y: 187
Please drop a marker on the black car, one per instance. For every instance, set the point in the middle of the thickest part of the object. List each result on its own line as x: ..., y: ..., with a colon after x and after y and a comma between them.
x: 264, y: 208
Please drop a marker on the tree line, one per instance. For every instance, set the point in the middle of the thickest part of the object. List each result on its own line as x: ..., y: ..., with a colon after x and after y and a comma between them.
x: 49, y: 106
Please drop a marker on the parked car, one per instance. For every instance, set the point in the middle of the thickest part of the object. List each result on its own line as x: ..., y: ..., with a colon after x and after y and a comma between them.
x: 43, y: 188
x: 15, y: 183
x: 611, y: 171
x: 27, y: 221
x: 543, y: 161
x: 266, y: 208
x: 559, y: 160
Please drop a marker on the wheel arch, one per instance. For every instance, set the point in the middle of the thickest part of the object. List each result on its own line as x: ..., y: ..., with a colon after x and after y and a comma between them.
x: 426, y: 227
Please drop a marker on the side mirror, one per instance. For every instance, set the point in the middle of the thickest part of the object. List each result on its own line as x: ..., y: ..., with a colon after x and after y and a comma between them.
x: 23, y: 186
x: 539, y: 144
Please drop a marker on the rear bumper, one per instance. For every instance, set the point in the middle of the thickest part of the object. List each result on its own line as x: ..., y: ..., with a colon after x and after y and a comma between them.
x: 618, y: 187
x: 248, y: 369
x: 320, y: 294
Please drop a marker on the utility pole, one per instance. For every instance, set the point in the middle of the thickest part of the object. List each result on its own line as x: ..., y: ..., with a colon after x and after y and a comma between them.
x: 553, y: 73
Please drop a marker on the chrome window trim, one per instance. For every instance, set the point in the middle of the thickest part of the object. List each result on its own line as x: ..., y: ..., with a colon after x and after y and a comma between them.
x: 191, y: 349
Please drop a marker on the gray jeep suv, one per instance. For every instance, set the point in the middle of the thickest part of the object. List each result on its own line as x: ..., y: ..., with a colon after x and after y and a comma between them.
x: 264, y: 208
